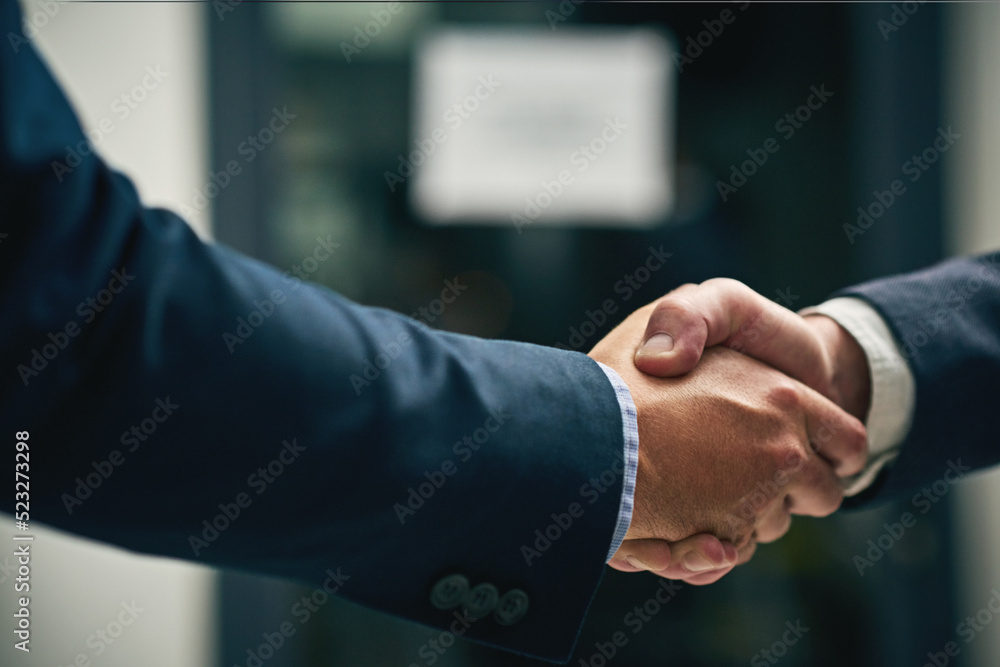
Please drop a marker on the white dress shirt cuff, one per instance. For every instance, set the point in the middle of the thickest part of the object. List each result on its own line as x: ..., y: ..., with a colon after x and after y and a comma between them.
x: 893, y: 390
x: 630, y: 431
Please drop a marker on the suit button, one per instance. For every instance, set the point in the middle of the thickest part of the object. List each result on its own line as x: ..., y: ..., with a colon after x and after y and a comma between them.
x: 481, y: 600
x: 512, y: 607
x: 449, y: 592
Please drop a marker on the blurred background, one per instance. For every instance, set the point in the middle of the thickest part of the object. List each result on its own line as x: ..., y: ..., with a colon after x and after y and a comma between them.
x: 740, y: 140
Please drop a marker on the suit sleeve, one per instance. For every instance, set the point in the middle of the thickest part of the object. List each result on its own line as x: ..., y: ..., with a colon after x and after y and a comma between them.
x: 186, y: 401
x: 946, y: 322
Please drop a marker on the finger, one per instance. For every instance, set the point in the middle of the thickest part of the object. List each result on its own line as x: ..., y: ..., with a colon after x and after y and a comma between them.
x: 813, y: 487
x: 694, y: 556
x: 703, y: 578
x: 742, y: 555
x: 726, y: 312
x: 676, y: 333
x: 733, y: 556
x: 835, y: 436
x: 774, y: 522
x: 640, y: 555
x: 699, y: 554
x: 815, y: 490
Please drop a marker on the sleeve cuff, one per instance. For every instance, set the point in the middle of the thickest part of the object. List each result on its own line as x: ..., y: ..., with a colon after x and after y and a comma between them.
x: 893, y: 390
x: 630, y: 430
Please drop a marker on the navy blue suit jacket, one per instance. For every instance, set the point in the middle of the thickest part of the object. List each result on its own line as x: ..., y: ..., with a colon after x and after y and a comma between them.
x: 118, y: 336
x: 946, y: 320
x: 183, y: 400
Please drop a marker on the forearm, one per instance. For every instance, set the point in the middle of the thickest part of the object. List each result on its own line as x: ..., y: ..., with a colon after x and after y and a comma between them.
x: 280, y: 404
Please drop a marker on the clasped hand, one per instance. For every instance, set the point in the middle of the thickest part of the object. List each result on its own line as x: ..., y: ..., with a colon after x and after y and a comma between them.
x: 742, y: 423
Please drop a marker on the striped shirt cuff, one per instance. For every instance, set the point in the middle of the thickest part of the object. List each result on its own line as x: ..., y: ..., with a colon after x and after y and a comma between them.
x: 630, y: 431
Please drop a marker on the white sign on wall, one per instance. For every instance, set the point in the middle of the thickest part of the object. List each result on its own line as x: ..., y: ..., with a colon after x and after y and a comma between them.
x: 531, y: 127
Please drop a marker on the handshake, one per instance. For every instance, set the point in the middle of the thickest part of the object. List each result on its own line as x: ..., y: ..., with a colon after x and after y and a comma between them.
x: 747, y: 414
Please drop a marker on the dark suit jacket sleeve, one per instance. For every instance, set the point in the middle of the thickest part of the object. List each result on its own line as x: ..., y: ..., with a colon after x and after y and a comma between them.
x: 166, y: 382
x: 946, y: 320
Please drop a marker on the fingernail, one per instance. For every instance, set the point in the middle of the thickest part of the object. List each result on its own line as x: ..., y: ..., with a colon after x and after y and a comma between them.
x: 636, y: 563
x: 695, y: 562
x: 659, y: 343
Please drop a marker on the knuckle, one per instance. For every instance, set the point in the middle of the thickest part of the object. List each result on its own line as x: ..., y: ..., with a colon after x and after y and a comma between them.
x: 675, y: 305
x: 786, y: 397
x: 790, y: 456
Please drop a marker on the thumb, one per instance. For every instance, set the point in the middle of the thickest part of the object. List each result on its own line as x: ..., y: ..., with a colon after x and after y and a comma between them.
x: 676, y: 334
x: 726, y: 312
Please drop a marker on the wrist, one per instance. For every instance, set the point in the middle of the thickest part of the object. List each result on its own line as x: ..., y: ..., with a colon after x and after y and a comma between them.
x: 850, y: 380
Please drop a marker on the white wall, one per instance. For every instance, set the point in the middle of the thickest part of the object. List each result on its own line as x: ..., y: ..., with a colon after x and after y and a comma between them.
x: 973, y: 213
x: 100, y: 52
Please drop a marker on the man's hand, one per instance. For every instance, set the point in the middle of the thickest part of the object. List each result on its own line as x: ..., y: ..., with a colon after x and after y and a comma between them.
x: 814, y: 350
x: 699, y: 560
x: 732, y: 449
